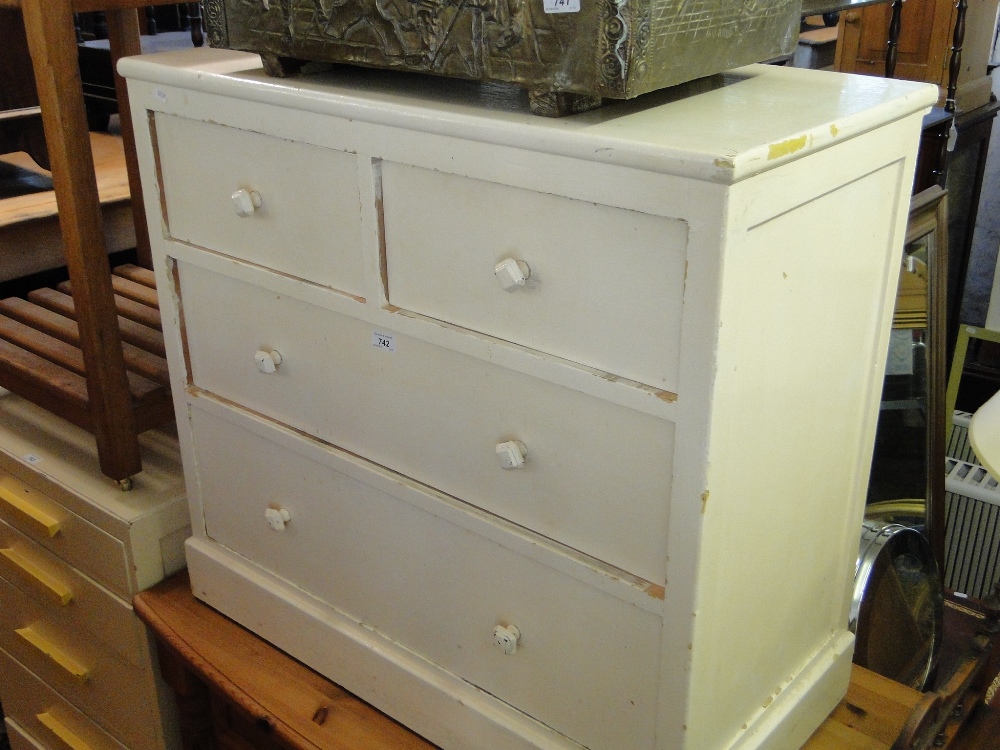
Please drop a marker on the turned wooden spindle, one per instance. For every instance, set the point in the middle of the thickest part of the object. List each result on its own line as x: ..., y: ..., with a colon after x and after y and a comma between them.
x: 958, y: 39
x: 197, y: 30
x: 892, y: 46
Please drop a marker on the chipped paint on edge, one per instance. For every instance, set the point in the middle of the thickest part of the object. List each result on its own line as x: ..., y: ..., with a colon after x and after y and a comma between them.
x: 656, y: 591
x: 777, y: 150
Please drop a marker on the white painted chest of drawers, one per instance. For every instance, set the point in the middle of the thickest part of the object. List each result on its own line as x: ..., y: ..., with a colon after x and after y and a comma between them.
x: 77, y: 667
x: 535, y: 434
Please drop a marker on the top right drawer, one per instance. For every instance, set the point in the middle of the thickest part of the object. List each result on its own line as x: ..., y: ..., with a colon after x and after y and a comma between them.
x: 599, y: 286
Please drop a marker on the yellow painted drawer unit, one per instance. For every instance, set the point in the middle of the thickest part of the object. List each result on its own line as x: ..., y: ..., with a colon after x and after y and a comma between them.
x: 77, y: 667
x: 497, y: 420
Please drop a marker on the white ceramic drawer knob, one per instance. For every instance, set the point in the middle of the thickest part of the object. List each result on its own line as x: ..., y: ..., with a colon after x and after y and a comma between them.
x: 267, y: 362
x: 277, y: 518
x: 246, y: 201
x: 506, y: 638
x: 512, y: 273
x: 511, y: 454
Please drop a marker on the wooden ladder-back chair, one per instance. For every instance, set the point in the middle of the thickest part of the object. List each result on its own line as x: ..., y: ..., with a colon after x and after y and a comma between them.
x: 88, y: 351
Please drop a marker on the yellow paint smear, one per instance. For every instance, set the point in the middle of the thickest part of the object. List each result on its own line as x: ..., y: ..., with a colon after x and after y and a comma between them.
x: 666, y: 396
x: 657, y: 592
x: 834, y: 130
x: 777, y: 150
x: 704, y: 501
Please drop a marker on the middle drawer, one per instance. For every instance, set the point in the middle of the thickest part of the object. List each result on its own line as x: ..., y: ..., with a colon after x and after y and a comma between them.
x: 55, y: 585
x: 595, y: 476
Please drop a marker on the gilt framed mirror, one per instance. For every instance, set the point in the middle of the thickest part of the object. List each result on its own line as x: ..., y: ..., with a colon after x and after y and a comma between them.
x: 896, y: 613
x: 907, y: 477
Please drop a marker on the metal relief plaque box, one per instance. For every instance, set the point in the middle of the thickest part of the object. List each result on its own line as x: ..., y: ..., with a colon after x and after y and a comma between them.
x: 568, y: 53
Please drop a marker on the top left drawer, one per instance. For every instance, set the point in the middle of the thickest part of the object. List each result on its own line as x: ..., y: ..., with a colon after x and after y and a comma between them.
x: 292, y: 207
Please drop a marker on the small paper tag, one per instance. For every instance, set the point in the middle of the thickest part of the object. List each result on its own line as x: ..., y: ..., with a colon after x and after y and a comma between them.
x: 900, y: 361
x: 384, y: 341
x: 33, y: 458
x: 561, y: 6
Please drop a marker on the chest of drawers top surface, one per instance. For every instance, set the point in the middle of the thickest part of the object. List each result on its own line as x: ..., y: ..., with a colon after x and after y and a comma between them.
x: 721, y: 128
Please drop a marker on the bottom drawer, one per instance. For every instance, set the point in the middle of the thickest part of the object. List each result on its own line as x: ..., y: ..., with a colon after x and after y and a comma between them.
x: 586, y: 663
x: 38, y: 717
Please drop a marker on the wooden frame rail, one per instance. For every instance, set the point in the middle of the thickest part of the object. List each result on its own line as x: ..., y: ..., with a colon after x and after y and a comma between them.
x: 111, y: 411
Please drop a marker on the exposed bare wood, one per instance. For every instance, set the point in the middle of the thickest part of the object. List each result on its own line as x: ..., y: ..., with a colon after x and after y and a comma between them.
x: 138, y: 274
x: 154, y: 410
x: 65, y: 330
x: 17, y: 114
x: 52, y: 40
x: 136, y: 292
x: 112, y: 182
x: 127, y: 308
x: 123, y: 36
x: 43, y: 383
x: 134, y: 333
x: 42, y: 344
x: 255, y: 677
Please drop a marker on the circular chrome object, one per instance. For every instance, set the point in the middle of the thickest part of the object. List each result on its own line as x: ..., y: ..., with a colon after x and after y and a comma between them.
x: 897, y: 609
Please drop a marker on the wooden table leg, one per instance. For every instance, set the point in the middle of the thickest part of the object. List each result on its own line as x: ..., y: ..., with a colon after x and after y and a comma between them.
x: 123, y: 34
x: 194, y: 708
x: 52, y: 41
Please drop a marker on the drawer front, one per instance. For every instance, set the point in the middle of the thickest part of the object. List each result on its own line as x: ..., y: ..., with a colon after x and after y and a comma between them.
x: 64, y: 533
x: 43, y: 719
x: 18, y: 739
x: 586, y: 663
x: 604, y: 286
x: 88, y: 674
x: 596, y: 475
x: 308, y: 223
x: 55, y: 585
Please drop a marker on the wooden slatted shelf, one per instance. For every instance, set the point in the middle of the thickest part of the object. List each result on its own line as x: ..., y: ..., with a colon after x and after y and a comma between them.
x: 41, y: 359
x: 113, y: 399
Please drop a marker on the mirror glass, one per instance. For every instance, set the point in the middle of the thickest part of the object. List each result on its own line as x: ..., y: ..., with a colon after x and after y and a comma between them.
x: 897, y: 607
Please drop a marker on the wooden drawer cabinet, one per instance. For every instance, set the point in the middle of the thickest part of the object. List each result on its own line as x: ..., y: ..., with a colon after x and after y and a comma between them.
x: 43, y: 717
x: 76, y: 664
x: 578, y: 458
x: 927, y: 29
x: 51, y: 583
x: 79, y: 542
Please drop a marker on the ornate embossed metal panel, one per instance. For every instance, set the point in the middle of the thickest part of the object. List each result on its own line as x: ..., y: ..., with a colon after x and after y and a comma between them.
x: 566, y: 50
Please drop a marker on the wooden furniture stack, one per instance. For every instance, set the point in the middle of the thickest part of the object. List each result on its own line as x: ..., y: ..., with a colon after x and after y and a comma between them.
x: 927, y: 32
x: 77, y: 668
x: 29, y: 221
x: 534, y: 433
x: 232, y: 687
x: 106, y: 398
